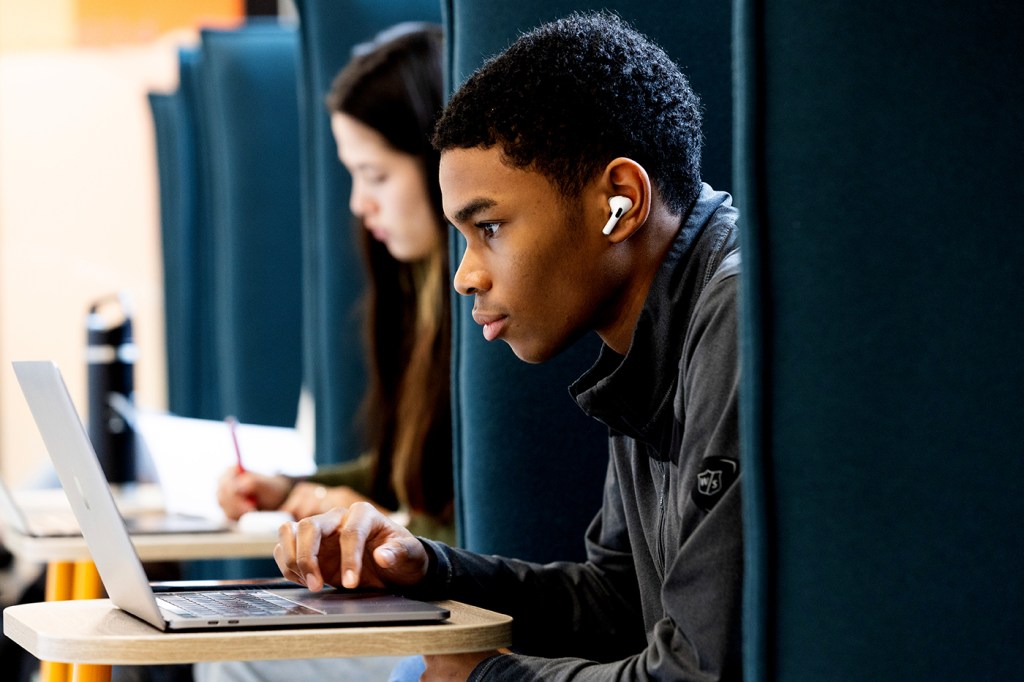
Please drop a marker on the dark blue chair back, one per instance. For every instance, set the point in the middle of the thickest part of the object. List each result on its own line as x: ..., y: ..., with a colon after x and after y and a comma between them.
x: 250, y: 97
x: 227, y: 154
x: 333, y: 365
x: 174, y: 130
x: 188, y: 250
x: 878, y: 163
x: 529, y: 464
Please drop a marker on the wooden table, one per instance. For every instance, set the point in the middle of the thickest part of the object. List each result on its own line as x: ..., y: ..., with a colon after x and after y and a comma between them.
x: 71, y: 574
x: 154, y: 547
x: 97, y: 633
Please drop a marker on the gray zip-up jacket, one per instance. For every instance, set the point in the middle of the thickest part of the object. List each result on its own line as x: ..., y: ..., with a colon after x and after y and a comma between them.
x: 659, y: 596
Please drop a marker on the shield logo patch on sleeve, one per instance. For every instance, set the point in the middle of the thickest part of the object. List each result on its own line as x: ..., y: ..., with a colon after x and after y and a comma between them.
x: 714, y: 478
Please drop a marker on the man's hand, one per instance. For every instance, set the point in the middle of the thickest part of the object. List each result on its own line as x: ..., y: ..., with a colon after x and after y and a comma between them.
x: 354, y: 547
x: 453, y: 666
x: 238, y: 493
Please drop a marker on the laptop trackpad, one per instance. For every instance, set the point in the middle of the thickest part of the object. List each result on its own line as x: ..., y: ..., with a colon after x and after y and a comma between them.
x: 345, y: 602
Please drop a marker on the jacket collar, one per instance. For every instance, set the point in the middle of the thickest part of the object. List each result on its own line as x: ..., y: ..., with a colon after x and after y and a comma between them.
x: 633, y: 394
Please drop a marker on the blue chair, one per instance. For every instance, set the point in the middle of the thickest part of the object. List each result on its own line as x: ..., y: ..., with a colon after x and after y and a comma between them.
x: 250, y: 94
x: 228, y: 158
x: 878, y: 162
x: 333, y: 277
x: 529, y: 464
x: 188, y: 254
x: 176, y: 169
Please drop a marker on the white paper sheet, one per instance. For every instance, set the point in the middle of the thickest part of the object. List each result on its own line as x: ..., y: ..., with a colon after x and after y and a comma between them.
x: 190, y: 455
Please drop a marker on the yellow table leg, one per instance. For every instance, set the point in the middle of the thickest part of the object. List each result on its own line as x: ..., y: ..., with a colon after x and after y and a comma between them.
x: 91, y: 673
x: 88, y: 585
x: 60, y: 577
x: 59, y: 587
x: 78, y: 580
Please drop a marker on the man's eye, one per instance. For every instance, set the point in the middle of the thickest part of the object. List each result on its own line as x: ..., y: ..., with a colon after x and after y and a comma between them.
x: 489, y: 230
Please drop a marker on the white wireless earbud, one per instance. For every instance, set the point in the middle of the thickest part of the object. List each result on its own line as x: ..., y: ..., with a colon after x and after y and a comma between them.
x: 619, y: 205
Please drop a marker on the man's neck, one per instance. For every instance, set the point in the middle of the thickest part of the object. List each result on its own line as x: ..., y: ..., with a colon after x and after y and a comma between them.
x: 647, y: 251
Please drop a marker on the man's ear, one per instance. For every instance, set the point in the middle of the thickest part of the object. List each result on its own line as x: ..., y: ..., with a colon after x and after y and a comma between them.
x: 624, y: 177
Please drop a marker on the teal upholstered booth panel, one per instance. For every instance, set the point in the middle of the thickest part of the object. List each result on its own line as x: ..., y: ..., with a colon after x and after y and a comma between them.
x: 529, y: 464
x: 238, y: 251
x: 250, y: 95
x: 176, y: 172
x: 189, y: 249
x: 878, y: 159
x: 333, y: 367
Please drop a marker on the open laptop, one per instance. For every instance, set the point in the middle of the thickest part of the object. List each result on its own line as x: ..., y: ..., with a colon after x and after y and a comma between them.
x: 119, y: 565
x: 61, y: 523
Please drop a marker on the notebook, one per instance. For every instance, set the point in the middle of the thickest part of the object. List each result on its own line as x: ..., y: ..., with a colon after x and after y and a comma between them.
x: 190, y: 455
x: 57, y: 523
x: 121, y: 569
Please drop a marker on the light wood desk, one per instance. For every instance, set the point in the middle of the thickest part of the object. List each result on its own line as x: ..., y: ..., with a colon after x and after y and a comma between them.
x: 150, y: 547
x: 70, y: 573
x: 96, y: 633
x: 155, y: 547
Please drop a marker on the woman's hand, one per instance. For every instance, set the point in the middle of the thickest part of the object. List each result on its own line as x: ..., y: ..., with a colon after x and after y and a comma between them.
x: 238, y: 493
x: 309, y: 499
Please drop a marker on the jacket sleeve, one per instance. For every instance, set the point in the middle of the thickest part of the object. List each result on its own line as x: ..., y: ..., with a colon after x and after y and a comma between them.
x: 698, y: 638
x: 582, y: 622
x: 589, y: 609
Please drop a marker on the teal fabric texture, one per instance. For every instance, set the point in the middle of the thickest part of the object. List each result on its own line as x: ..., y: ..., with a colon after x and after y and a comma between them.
x: 200, y: 394
x: 227, y: 156
x: 250, y: 105
x: 877, y: 156
x: 176, y: 171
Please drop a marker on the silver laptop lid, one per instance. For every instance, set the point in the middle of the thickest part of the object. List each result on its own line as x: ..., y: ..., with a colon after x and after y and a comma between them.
x: 86, y: 487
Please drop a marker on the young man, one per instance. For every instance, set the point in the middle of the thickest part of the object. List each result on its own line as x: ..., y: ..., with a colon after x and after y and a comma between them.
x: 578, y: 122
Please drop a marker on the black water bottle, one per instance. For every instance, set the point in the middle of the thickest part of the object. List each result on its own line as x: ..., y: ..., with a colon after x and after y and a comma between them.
x: 111, y: 354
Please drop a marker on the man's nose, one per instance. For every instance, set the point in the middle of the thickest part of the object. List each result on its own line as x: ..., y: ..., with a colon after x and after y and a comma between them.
x: 471, y: 278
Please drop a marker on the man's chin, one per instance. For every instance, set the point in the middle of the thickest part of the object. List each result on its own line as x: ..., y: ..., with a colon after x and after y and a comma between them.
x: 533, y: 354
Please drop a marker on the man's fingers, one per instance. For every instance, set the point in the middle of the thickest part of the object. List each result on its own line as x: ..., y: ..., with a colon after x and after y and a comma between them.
x: 308, y: 536
x: 298, y: 549
x: 353, y: 541
x: 398, y: 550
x: 284, y: 553
x: 361, y: 520
x: 335, y: 547
x: 287, y: 570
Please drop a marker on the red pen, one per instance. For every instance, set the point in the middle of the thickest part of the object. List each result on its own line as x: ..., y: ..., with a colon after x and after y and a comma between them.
x: 239, y: 467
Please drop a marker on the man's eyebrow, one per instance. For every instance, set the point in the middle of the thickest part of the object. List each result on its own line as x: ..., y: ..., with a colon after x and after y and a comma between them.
x: 473, y: 207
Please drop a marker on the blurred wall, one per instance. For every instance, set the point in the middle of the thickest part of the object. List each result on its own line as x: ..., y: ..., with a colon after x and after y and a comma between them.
x: 78, y: 187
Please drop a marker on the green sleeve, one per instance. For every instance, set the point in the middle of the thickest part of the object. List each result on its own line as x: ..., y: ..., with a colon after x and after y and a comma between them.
x: 434, y: 529
x: 356, y: 474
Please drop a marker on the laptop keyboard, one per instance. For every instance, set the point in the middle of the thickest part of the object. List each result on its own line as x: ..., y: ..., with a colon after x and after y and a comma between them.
x: 231, y: 604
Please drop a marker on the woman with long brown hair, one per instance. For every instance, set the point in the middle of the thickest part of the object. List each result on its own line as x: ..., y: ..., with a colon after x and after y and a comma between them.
x: 383, y: 107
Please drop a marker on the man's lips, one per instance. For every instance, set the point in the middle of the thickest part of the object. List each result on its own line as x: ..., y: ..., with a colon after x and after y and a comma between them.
x: 493, y: 324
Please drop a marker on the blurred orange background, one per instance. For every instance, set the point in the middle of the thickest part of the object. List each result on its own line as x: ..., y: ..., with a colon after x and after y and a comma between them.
x: 79, y: 212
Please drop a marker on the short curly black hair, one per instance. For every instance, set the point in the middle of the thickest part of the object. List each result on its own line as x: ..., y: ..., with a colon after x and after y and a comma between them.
x: 568, y: 97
